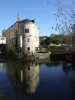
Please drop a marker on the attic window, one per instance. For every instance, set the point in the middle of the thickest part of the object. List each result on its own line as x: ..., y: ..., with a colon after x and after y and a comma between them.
x: 16, y: 31
x: 26, y: 30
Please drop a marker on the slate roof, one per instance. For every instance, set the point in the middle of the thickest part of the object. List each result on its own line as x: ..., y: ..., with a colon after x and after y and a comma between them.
x: 25, y: 21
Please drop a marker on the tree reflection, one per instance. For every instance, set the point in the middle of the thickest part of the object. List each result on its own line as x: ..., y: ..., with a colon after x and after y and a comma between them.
x: 72, y: 80
x: 52, y: 63
x: 66, y: 67
x: 23, y: 76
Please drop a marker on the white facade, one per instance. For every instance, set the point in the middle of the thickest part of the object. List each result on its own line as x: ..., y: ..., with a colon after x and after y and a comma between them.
x: 31, y: 37
x: 2, y: 40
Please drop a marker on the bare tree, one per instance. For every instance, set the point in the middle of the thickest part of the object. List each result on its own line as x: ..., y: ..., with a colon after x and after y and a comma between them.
x: 65, y: 19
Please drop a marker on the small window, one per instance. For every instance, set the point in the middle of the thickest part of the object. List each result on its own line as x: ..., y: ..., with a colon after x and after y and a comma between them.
x: 28, y: 48
x: 28, y: 68
x: 2, y: 38
x: 36, y: 48
x: 15, y: 31
x: 26, y: 30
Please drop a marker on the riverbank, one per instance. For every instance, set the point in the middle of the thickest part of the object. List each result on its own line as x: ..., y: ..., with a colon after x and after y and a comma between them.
x: 68, y: 56
x: 60, y: 50
x: 37, y: 56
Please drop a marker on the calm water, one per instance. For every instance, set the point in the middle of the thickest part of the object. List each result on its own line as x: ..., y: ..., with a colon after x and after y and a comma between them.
x: 37, y: 81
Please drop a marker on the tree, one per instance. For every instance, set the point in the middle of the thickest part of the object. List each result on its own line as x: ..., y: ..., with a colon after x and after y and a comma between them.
x: 65, y: 18
x: 67, y: 21
x: 3, y: 32
x: 47, y: 40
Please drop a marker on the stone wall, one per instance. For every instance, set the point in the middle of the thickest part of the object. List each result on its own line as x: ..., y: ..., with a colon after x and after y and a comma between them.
x: 31, y: 39
x: 43, y: 55
x: 10, y: 36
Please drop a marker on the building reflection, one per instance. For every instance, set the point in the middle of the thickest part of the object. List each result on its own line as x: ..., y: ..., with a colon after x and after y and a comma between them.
x: 23, y: 76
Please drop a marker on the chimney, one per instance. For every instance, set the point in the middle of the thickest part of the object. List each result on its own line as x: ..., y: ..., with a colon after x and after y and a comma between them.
x: 18, y: 17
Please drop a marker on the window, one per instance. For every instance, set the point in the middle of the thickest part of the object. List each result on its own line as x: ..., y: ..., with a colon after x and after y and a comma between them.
x: 28, y: 68
x: 36, y: 48
x: 28, y: 48
x: 15, y: 31
x: 2, y: 38
x: 26, y: 30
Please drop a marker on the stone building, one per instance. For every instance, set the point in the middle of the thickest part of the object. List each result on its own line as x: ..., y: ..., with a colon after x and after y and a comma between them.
x: 22, y: 37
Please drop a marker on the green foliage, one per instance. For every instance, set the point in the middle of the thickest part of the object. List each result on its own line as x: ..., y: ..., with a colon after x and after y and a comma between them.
x: 66, y: 68
x: 3, y: 32
x: 47, y: 41
x: 42, y: 43
x: 51, y: 64
x: 57, y: 39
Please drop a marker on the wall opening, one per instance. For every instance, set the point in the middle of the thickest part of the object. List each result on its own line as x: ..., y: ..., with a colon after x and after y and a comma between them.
x: 28, y: 68
x: 36, y: 48
x: 28, y: 48
x: 26, y: 30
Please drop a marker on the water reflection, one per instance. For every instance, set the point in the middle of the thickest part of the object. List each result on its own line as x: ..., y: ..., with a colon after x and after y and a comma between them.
x: 66, y: 67
x: 23, y: 76
x: 72, y: 80
x: 69, y: 70
x: 53, y: 63
x: 57, y: 80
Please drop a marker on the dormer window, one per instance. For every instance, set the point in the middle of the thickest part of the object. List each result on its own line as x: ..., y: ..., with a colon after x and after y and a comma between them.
x: 26, y: 30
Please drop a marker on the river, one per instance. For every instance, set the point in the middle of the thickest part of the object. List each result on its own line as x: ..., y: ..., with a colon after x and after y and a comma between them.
x: 37, y: 80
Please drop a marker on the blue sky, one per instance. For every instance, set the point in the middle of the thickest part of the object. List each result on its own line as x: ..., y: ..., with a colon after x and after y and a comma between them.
x: 39, y: 10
